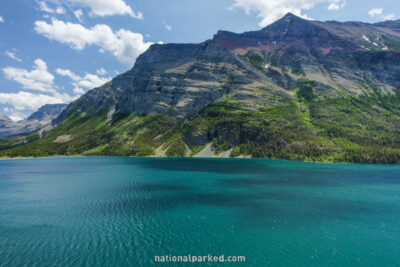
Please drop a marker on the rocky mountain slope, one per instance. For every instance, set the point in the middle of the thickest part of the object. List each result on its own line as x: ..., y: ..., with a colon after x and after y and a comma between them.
x: 47, y: 112
x: 297, y: 89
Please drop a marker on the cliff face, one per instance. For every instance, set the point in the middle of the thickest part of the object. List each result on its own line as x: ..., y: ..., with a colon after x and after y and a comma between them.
x: 296, y: 89
x: 173, y: 78
x: 181, y: 79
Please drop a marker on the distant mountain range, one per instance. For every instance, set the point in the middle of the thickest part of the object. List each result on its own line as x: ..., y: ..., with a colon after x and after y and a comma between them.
x: 35, y: 122
x: 296, y: 89
x: 4, y: 120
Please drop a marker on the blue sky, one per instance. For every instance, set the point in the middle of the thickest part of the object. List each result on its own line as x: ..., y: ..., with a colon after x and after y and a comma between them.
x: 53, y: 51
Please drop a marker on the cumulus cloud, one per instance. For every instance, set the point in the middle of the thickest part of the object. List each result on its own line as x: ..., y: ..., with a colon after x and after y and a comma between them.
x: 88, y: 81
x: 16, y: 116
x: 336, y: 4
x: 40, y: 79
x: 378, y: 13
x: 271, y: 10
x: 78, y: 91
x: 79, y: 14
x: 67, y: 73
x: 45, y: 8
x: 375, y: 12
x: 123, y: 44
x: 13, y: 56
x: 389, y: 17
x: 168, y: 27
x: 26, y: 100
x: 60, y: 10
x: 101, y: 72
x: 103, y: 8
x: 96, y: 8
x: 37, y: 79
x: 1, y: 19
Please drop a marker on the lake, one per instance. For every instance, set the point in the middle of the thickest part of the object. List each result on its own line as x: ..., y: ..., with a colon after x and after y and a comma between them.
x: 120, y: 211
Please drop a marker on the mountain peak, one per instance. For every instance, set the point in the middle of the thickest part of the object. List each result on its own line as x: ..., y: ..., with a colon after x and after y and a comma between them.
x: 285, y: 21
x: 290, y: 15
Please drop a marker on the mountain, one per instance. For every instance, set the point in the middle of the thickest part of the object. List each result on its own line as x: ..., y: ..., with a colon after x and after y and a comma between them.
x: 47, y: 112
x: 35, y: 122
x: 296, y: 89
x: 4, y: 120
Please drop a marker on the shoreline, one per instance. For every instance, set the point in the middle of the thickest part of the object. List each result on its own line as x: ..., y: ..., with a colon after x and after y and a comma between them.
x: 215, y: 158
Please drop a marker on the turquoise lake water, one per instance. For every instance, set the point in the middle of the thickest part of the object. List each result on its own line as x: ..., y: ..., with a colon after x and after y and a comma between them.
x: 116, y: 211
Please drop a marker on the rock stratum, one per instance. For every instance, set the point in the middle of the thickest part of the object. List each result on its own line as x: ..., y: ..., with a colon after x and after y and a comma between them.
x: 296, y: 89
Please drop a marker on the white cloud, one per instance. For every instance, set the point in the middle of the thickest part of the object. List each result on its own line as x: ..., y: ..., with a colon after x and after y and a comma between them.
x: 1, y: 19
x: 336, y: 5
x: 101, y: 72
x: 13, y: 56
x: 168, y: 27
x: 67, y: 73
x: 26, y: 100
x: 389, y: 17
x: 37, y: 79
x: 271, y: 10
x: 378, y: 13
x: 40, y: 79
x: 103, y: 8
x: 78, y: 91
x: 123, y: 44
x: 97, y: 8
x: 60, y: 10
x: 16, y: 117
x: 13, y: 114
x: 88, y: 81
x: 45, y: 8
x: 333, y: 6
x: 78, y: 14
x: 375, y: 12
